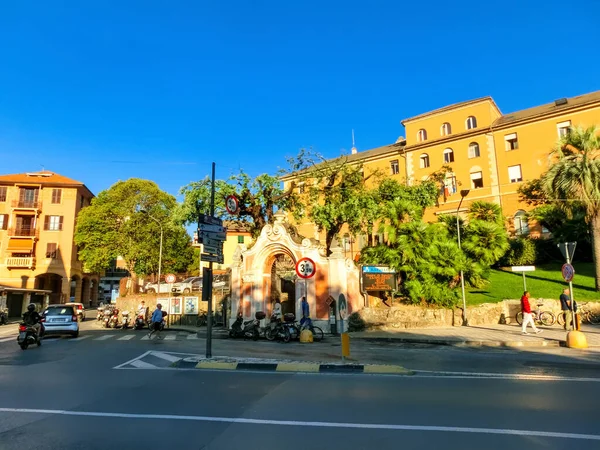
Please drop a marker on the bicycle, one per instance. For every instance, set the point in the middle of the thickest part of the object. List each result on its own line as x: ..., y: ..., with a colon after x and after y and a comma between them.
x: 585, y: 315
x: 540, y: 317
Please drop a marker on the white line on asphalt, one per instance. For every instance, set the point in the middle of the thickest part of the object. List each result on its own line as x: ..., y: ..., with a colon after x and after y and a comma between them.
x: 8, y: 339
x: 142, y: 365
x: 192, y: 337
x: 170, y: 337
x: 105, y: 337
x: 131, y: 360
x: 501, y: 376
x: 165, y: 356
x: 80, y: 338
x: 145, y: 338
x: 126, y: 338
x: 294, y: 423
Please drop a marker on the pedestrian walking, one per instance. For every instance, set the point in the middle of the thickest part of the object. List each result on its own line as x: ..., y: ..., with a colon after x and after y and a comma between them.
x: 156, y: 322
x: 527, y: 316
x: 565, y: 306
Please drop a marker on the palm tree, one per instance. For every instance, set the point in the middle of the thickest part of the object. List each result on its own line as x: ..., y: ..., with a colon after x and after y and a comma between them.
x: 486, y: 211
x: 574, y: 178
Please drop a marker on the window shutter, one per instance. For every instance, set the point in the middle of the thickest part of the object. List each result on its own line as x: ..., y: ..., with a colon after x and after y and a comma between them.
x: 60, y: 223
x: 46, y: 223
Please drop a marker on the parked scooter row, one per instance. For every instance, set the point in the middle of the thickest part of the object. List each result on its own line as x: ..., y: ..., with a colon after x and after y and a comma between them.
x: 283, y: 330
x: 109, y: 316
x: 249, y: 329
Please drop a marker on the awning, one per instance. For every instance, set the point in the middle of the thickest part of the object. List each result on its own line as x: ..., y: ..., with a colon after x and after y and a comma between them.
x: 20, y: 245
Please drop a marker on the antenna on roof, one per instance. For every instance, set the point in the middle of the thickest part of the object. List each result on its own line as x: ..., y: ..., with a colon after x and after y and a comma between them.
x: 353, y: 150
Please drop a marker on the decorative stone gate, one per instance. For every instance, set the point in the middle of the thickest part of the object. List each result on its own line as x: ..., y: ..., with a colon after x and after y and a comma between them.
x: 265, y: 272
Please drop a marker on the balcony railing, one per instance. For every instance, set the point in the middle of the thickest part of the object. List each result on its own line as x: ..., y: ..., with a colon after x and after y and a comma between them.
x: 26, y: 204
x: 23, y: 231
x: 20, y: 262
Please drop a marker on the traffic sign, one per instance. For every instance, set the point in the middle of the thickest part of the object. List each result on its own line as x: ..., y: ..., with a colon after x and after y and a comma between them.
x: 217, y: 250
x: 212, y: 228
x: 214, y: 236
x: 522, y: 268
x: 210, y: 220
x: 170, y: 278
x: 306, y: 268
x: 232, y: 204
x: 212, y: 242
x: 568, y: 250
x: 568, y: 272
x: 211, y: 258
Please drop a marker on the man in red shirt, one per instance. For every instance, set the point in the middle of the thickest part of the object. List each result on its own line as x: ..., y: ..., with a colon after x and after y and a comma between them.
x: 527, y: 316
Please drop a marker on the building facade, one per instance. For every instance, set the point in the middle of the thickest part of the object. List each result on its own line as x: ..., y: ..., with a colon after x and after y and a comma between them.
x: 38, y: 257
x: 488, y: 153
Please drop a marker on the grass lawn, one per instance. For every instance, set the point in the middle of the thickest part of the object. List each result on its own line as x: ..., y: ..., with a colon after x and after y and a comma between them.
x: 545, y: 282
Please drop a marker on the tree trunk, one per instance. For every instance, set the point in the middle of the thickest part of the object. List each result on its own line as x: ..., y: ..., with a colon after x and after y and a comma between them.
x: 595, y: 229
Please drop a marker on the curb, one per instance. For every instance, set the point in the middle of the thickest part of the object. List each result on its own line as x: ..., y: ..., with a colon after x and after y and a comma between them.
x: 304, y: 367
x: 457, y: 343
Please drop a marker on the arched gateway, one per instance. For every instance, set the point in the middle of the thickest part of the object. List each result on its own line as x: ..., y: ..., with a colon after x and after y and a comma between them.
x: 266, y: 272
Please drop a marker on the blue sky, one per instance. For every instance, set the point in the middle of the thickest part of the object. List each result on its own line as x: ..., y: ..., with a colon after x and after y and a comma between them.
x: 107, y: 90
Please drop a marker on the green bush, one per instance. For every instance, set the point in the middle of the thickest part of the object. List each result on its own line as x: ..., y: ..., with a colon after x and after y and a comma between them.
x: 356, y: 322
x: 522, y: 252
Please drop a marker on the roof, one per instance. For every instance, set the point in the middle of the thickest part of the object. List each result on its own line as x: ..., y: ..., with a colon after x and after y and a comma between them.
x: 236, y: 226
x: 43, y: 177
x: 451, y: 107
x: 549, y: 108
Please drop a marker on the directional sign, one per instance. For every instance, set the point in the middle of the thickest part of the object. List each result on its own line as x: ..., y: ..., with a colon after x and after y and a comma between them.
x: 214, y: 236
x: 522, y: 268
x: 211, y: 258
x: 306, y: 268
x: 232, y: 204
x: 212, y: 242
x: 568, y: 272
x: 377, y: 269
x: 212, y: 228
x: 217, y: 250
x: 209, y: 220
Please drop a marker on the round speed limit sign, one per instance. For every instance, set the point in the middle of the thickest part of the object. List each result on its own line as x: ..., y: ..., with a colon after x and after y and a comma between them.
x: 306, y: 268
x: 232, y: 204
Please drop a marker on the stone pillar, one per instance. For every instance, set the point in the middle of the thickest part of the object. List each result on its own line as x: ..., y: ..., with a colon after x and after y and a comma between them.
x: 337, y: 272
x: 78, y: 289
x: 26, y: 301
x: 65, y: 289
x: 236, y: 283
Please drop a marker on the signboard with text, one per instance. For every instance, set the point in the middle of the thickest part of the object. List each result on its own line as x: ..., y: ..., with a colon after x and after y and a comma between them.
x: 378, y: 278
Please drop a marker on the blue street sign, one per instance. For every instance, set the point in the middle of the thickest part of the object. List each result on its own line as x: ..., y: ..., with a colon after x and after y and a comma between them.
x: 377, y: 269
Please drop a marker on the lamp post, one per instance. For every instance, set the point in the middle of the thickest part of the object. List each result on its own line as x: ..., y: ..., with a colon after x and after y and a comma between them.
x: 463, y: 194
x: 160, y: 250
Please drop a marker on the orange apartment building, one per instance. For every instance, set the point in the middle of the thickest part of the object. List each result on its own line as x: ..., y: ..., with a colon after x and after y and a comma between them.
x: 491, y: 154
x: 38, y: 258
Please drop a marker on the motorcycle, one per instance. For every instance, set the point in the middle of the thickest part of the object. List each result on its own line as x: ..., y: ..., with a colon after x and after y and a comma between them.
x: 100, y: 314
x: 278, y: 330
x: 140, y: 321
x: 125, y: 320
x: 28, y: 336
x: 247, y: 329
x: 113, y: 321
x: 3, y: 317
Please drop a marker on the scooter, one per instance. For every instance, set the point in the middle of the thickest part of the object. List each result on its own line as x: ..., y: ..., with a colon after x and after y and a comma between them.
x: 140, y: 322
x: 247, y: 329
x: 28, y: 336
x: 113, y: 321
x: 125, y: 321
x: 276, y: 329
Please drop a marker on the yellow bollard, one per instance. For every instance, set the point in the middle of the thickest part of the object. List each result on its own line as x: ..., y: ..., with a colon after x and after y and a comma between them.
x: 345, y: 345
x: 576, y: 339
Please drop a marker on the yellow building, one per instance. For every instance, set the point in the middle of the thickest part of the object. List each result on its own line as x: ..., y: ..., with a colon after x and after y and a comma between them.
x: 38, y: 258
x: 490, y: 154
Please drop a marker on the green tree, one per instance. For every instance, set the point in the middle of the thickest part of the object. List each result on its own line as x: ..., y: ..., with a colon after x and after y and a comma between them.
x: 486, y: 211
x: 574, y: 178
x: 114, y: 225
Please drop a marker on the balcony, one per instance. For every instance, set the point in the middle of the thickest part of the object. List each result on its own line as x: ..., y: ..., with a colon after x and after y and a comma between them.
x: 20, y: 263
x: 24, y: 232
x: 26, y: 204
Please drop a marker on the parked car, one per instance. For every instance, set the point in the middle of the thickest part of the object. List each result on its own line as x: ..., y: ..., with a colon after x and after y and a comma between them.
x: 79, y: 309
x: 60, y: 319
x: 187, y: 286
x: 152, y: 288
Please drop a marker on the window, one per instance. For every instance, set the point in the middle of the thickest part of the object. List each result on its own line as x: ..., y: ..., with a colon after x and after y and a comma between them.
x: 395, y: 167
x: 81, y: 201
x: 301, y: 188
x: 563, y: 128
x: 56, y: 196
x: 446, y: 129
x: 424, y: 161
x: 422, y: 135
x: 51, y: 250
x: 3, y: 193
x: 448, y: 155
x: 471, y: 122
x: 514, y: 173
x: 474, y: 150
x: 476, y: 180
x: 3, y: 221
x: 450, y: 186
x: 511, y: 141
x: 53, y: 223
x: 240, y: 239
x: 521, y: 225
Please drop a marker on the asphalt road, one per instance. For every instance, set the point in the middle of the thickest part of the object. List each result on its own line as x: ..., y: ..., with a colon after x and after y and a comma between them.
x: 68, y: 395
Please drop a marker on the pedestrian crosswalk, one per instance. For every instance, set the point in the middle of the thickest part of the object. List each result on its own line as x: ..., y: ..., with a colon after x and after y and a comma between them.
x: 136, y: 336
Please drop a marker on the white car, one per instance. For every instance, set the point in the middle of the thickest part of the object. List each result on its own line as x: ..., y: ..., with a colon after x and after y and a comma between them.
x: 187, y: 286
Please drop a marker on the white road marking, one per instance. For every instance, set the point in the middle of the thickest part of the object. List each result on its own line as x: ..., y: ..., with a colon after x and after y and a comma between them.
x: 8, y: 339
x: 145, y: 338
x: 142, y: 365
x: 192, y: 337
x: 126, y: 338
x: 132, y: 360
x: 500, y: 376
x: 80, y: 338
x: 104, y: 338
x: 165, y: 356
x: 294, y: 423
x: 170, y: 337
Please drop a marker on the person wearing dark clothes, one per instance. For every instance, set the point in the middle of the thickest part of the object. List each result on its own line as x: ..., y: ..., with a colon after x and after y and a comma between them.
x: 565, y: 305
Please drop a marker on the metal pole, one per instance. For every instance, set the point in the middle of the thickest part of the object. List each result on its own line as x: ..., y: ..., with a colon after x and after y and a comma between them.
x: 159, y: 257
x: 462, y: 277
x: 210, y: 269
x: 524, y: 283
x: 571, y: 290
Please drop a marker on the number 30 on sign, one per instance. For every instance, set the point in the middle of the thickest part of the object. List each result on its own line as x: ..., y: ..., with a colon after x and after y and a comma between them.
x: 306, y: 268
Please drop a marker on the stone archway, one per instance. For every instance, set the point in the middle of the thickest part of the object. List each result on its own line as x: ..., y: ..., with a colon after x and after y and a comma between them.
x: 281, y: 268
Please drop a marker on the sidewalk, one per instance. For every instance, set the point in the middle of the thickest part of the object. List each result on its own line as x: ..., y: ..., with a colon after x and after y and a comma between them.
x: 480, y: 336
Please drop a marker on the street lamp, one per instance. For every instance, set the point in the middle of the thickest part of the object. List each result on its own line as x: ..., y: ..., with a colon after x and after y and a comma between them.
x: 161, y: 244
x: 463, y: 194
